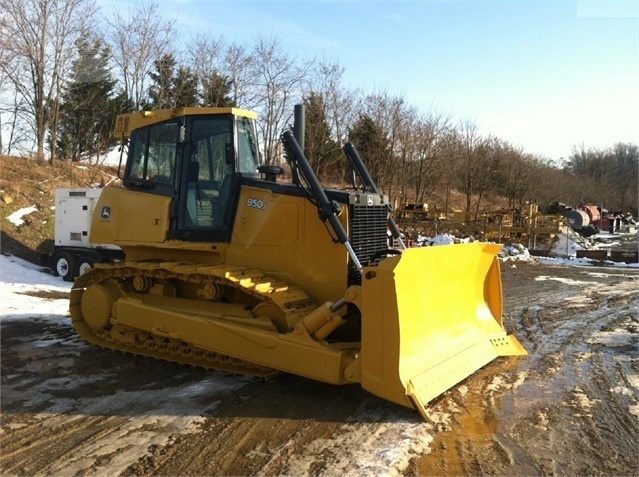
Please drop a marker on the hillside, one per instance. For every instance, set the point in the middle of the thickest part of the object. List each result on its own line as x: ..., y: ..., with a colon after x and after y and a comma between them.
x: 25, y: 183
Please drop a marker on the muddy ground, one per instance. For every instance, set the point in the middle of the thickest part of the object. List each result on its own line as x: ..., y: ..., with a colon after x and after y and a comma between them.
x: 570, y: 408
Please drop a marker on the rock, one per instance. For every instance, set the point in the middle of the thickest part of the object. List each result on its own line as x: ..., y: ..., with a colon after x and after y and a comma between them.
x: 6, y: 198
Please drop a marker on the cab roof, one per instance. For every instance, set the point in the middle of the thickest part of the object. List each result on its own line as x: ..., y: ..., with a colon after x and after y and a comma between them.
x: 126, y: 123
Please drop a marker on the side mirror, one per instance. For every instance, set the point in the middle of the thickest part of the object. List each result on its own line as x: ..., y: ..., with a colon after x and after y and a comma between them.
x: 270, y: 172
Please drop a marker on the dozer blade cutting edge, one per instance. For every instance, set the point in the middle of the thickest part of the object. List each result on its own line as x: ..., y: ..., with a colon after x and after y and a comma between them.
x: 431, y: 317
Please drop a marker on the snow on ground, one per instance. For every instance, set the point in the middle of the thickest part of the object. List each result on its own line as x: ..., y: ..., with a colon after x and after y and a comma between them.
x: 563, y: 251
x: 583, y: 262
x: 347, y: 453
x: 109, y: 158
x: 361, y: 448
x: 19, y: 277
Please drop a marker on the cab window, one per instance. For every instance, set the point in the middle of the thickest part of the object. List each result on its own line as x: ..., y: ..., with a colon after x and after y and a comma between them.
x: 152, y: 156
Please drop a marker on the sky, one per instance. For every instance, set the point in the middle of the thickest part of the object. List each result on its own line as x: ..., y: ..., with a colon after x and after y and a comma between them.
x: 544, y: 75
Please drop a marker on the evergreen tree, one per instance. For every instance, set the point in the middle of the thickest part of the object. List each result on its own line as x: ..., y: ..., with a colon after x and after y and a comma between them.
x: 322, y: 151
x: 184, y: 88
x: 87, y: 112
x: 373, y: 146
x: 216, y: 91
x: 172, y: 86
x: 163, y: 80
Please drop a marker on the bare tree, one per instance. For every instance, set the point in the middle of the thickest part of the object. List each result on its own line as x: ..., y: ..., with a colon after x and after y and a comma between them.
x: 406, y: 129
x: 391, y: 114
x: 514, y: 175
x: 205, y: 54
x: 324, y: 83
x: 551, y: 183
x: 278, y: 85
x: 238, y: 66
x: 205, y: 58
x: 450, y: 151
x: 38, y: 37
x: 17, y: 132
x: 625, y: 172
x: 137, y: 40
x: 490, y: 155
x: 467, y: 163
x: 4, y: 89
x: 427, y: 167
x: 607, y: 176
x: 340, y: 103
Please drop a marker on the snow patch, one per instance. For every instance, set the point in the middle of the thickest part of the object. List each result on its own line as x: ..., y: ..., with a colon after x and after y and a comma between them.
x: 18, y: 280
x: 441, y: 239
x: 515, y: 252
x: 567, y: 245
x: 361, y: 448
x: 16, y: 217
x: 624, y: 391
x: 624, y: 335
x: 582, y: 399
x: 565, y: 281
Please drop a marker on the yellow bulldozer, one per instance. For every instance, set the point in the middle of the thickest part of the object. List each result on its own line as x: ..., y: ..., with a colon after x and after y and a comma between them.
x: 231, y: 268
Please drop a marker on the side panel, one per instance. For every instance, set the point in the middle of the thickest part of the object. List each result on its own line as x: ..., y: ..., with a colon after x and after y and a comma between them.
x: 282, y: 234
x: 124, y: 217
x: 268, y: 219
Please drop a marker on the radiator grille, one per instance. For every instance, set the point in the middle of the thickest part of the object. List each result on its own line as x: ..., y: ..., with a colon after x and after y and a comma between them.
x: 367, y: 234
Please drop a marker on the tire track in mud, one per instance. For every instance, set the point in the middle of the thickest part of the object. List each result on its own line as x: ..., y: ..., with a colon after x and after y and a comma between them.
x: 226, y: 446
x: 292, y: 426
x: 32, y: 450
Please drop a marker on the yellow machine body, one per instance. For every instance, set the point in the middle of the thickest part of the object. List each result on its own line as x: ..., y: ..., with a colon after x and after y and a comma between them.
x: 279, y: 292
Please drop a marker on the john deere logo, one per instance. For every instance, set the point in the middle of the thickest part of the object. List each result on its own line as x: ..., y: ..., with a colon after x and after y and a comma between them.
x: 106, y: 212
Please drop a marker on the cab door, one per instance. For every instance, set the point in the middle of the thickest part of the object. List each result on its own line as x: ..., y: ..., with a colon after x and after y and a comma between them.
x: 207, y: 188
x: 141, y: 212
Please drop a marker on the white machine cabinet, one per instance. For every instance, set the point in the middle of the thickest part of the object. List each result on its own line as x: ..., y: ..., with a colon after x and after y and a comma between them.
x: 74, y: 253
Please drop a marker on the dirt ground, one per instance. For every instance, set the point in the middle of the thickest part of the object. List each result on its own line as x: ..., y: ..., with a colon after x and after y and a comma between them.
x: 570, y: 408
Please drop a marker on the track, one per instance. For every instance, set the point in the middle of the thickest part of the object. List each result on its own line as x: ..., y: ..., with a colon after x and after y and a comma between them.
x: 253, y: 288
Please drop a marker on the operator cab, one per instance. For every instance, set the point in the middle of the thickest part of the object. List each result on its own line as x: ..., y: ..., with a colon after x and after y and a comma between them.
x: 196, y: 156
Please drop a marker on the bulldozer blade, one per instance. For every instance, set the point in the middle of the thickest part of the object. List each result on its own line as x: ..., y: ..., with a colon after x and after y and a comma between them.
x: 432, y: 316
